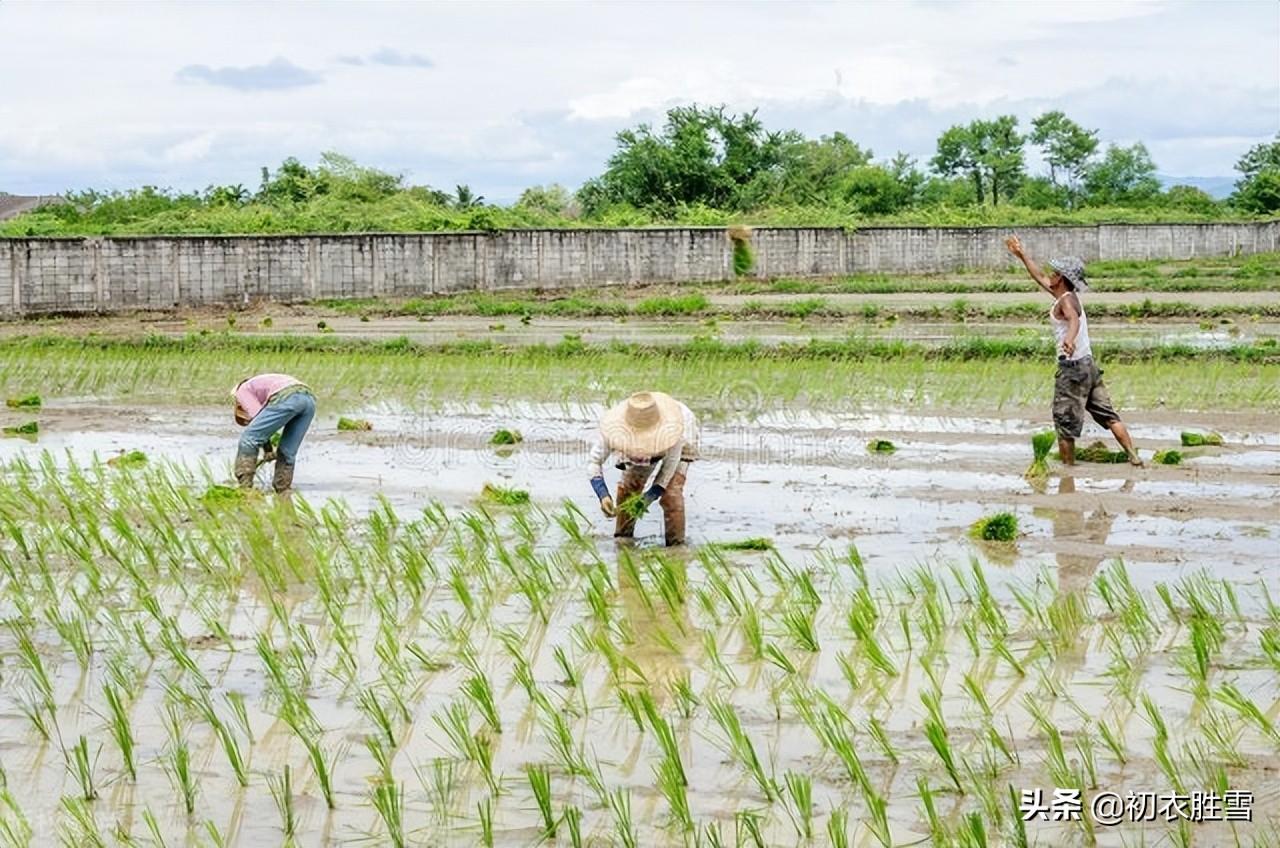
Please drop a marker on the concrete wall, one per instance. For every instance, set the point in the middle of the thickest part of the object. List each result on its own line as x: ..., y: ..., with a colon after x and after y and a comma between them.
x: 41, y: 275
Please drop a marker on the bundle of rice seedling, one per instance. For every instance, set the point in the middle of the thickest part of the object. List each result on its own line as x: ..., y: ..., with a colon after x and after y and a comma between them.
x: 31, y: 428
x: 1041, y: 444
x: 881, y: 446
x: 758, y: 543
x: 28, y: 402
x: 1001, y: 527
x: 1168, y: 457
x: 128, y: 459
x: 1099, y: 452
x: 634, y: 507
x: 504, y: 496
x: 1195, y: 440
x: 506, y: 437
x: 345, y: 423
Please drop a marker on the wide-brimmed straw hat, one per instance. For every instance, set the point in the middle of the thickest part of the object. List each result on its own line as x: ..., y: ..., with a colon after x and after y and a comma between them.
x: 1072, y: 268
x: 647, y: 424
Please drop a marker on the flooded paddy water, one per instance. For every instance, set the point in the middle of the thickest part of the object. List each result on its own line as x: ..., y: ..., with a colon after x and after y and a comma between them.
x: 390, y: 659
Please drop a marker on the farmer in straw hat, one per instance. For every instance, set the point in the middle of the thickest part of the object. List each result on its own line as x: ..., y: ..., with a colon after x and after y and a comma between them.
x: 654, y: 435
x: 1078, y: 386
x: 264, y: 405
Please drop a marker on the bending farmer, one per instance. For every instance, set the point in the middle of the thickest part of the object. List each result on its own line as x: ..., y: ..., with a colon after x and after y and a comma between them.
x: 1078, y: 386
x: 655, y: 436
x: 265, y: 404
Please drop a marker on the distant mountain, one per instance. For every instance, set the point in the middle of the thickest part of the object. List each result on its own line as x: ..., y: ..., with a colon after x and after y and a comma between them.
x: 1218, y: 187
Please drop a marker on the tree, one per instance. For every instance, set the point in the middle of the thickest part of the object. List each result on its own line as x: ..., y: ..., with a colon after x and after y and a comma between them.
x: 1190, y: 198
x: 465, y: 198
x: 812, y: 171
x: 1066, y: 146
x: 701, y: 156
x: 989, y: 152
x: 1124, y: 175
x: 553, y: 199
x: 1258, y: 189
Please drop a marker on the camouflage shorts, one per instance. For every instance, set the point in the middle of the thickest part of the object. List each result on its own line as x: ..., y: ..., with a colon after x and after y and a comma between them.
x: 1078, y: 389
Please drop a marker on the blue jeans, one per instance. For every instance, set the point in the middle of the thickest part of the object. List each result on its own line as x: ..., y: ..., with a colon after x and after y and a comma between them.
x: 293, y: 413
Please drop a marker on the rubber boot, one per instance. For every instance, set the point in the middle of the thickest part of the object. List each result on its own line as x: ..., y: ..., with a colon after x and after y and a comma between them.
x: 672, y: 503
x: 246, y: 466
x: 283, y: 479
x: 632, y: 483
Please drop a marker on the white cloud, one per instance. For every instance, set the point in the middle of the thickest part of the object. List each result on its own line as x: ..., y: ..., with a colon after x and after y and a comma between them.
x: 501, y: 95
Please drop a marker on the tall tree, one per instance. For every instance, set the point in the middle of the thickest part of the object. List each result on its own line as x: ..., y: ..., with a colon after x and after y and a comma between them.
x: 1123, y: 175
x: 988, y: 152
x: 1066, y: 146
x: 1258, y: 189
x: 701, y: 156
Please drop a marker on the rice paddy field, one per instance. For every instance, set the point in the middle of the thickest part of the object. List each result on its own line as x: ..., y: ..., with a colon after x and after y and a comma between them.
x: 899, y: 619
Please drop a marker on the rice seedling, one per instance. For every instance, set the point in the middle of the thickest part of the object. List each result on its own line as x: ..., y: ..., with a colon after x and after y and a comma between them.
x: 572, y: 817
x: 484, y: 811
x: 353, y: 424
x: 79, y: 829
x: 799, y: 622
x: 935, y: 730
x: 504, y: 496
x: 623, y: 825
x: 1195, y: 440
x: 540, y: 785
x: 281, y: 789
x: 747, y: 828
x: 479, y: 691
x: 633, y: 507
x: 1167, y: 457
x: 739, y: 745
x: 881, y: 446
x: 800, y: 792
x: 178, y: 763
x: 1041, y: 444
x: 388, y: 800
x: 1000, y: 527
x: 81, y: 766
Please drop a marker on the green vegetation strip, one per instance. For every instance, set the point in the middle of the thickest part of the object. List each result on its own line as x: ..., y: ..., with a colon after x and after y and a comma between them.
x: 826, y: 375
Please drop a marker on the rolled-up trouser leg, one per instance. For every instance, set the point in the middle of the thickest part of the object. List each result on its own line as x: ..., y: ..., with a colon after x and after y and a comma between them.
x: 632, y: 483
x: 672, y: 503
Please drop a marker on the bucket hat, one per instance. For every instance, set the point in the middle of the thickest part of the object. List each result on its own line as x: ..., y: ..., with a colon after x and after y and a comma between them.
x: 1072, y: 268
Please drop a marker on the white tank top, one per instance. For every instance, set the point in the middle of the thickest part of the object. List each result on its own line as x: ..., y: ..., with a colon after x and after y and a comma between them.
x: 1061, y: 325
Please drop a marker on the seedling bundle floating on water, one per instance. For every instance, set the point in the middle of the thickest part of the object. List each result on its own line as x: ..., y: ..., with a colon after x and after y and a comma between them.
x: 345, y: 424
x: 881, y: 446
x: 28, y: 402
x: 128, y: 459
x: 1001, y: 527
x: 1168, y: 457
x: 31, y: 428
x: 506, y: 437
x: 504, y: 496
x: 1195, y: 440
x: 758, y: 543
x: 1041, y: 444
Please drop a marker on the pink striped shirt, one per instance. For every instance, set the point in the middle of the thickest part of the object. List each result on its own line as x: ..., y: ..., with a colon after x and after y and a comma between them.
x: 254, y: 393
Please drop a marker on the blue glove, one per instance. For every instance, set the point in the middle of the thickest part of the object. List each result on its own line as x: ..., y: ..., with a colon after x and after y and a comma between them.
x: 655, y: 492
x: 601, y: 490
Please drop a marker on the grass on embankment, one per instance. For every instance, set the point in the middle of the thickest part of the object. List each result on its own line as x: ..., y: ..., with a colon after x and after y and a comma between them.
x: 969, y: 374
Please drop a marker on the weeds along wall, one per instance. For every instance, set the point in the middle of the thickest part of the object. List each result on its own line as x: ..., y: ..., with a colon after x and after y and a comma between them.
x: 44, y: 275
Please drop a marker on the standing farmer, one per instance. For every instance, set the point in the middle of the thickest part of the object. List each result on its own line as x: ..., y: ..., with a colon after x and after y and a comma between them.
x: 1078, y: 386
x: 654, y: 435
x: 265, y: 404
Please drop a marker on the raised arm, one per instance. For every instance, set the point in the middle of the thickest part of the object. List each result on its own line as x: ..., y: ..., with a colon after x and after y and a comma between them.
x: 1015, y: 247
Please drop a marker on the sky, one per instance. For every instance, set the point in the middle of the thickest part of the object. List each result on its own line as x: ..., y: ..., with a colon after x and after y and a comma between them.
x: 501, y: 96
